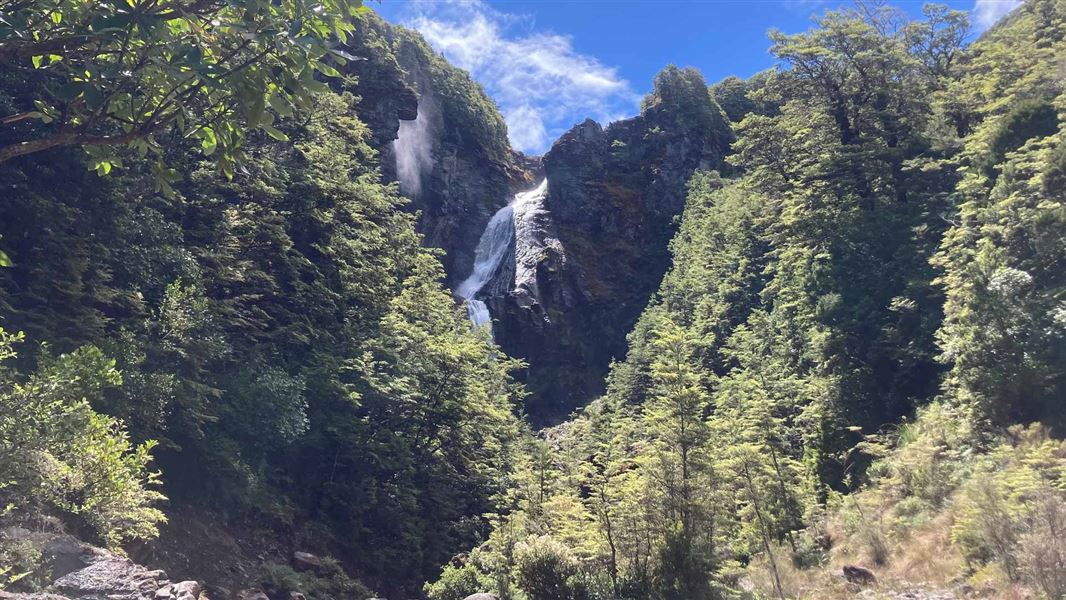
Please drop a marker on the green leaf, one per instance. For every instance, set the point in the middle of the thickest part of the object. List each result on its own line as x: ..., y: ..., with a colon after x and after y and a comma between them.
x: 5, y: 261
x: 37, y: 61
x: 208, y: 141
x: 327, y: 70
x: 279, y: 105
x: 57, y: 17
x: 274, y: 133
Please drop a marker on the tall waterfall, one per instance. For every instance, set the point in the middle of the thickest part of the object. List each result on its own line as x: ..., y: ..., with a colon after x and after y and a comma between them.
x: 492, y: 248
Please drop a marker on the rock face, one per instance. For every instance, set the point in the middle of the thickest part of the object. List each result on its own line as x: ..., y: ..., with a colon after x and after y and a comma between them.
x: 590, y: 255
x: 82, y: 572
x: 440, y: 137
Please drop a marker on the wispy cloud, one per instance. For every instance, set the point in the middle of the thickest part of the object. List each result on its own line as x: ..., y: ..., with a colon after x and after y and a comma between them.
x: 541, y: 83
x: 987, y: 12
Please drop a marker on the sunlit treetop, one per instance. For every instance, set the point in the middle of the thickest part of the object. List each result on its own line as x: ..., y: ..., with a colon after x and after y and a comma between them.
x: 112, y: 73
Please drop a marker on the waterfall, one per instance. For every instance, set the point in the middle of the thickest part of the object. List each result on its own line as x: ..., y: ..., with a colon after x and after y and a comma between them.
x: 414, y: 151
x: 492, y: 248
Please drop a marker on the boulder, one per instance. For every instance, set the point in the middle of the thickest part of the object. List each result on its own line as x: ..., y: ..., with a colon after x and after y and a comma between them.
x: 306, y: 560
x: 859, y: 575
x: 482, y: 596
x: 113, y: 577
x: 84, y: 572
x: 185, y: 590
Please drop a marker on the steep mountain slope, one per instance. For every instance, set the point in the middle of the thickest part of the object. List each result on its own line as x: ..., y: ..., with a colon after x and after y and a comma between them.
x: 439, y: 135
x: 284, y: 335
x: 596, y: 249
x: 591, y: 257
x: 834, y: 366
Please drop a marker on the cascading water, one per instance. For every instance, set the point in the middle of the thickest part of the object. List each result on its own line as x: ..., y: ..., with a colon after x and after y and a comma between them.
x: 492, y: 248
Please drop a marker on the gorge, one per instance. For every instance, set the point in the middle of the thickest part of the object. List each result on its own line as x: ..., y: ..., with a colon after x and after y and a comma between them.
x: 593, y: 246
x: 313, y: 328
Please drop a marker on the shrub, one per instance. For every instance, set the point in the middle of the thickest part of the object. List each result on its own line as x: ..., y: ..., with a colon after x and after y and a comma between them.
x: 20, y: 560
x: 458, y: 582
x: 1010, y: 511
x: 58, y: 455
x: 328, y: 582
x: 1042, y: 548
x: 546, y: 570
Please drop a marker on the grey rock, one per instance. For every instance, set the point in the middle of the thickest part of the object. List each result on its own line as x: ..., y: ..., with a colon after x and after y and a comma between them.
x: 482, y: 596
x: 306, y: 560
x: 859, y: 575
x: 66, y: 554
x: 185, y: 590
x: 591, y: 254
x: 114, y: 578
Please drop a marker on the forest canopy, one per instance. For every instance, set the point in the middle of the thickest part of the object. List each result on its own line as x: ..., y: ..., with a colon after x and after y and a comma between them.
x: 219, y: 314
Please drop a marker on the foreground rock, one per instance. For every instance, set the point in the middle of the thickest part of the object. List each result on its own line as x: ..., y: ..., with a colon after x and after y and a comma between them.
x: 859, y: 575
x: 83, y: 572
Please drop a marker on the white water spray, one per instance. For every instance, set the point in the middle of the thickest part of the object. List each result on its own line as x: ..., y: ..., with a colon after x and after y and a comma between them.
x: 492, y: 248
x: 414, y: 151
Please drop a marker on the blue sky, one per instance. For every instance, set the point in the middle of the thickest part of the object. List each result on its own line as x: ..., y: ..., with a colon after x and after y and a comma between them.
x: 549, y: 64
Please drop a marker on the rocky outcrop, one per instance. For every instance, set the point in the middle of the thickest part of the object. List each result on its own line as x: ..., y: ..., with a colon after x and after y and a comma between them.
x: 439, y: 135
x: 588, y: 256
x: 591, y: 254
x: 83, y: 572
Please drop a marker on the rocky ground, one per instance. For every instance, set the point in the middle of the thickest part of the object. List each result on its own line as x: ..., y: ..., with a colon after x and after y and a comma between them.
x: 82, y: 572
x: 79, y: 571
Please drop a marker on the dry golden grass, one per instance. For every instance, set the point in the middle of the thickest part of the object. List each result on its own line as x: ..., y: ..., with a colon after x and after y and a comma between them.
x: 920, y: 558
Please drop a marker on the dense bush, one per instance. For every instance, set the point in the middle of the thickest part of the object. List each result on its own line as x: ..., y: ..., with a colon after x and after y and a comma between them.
x: 58, y: 455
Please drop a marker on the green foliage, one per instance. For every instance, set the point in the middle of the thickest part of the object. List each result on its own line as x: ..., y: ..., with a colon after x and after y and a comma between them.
x: 58, y: 455
x: 456, y: 582
x: 123, y: 73
x: 816, y: 301
x: 1016, y: 490
x: 1002, y: 334
x: 282, y: 334
x: 20, y: 560
x: 329, y: 582
x: 547, y: 571
x: 683, y: 94
x: 741, y: 97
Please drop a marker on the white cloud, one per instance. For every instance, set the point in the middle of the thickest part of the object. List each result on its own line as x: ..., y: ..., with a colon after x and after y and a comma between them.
x: 541, y: 83
x: 987, y: 12
x: 526, y: 128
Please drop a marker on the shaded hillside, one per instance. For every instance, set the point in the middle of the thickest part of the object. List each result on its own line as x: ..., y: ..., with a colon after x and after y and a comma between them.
x: 284, y: 335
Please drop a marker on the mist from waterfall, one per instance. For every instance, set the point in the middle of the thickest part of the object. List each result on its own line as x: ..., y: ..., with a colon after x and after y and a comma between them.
x: 414, y: 151
x: 492, y: 248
